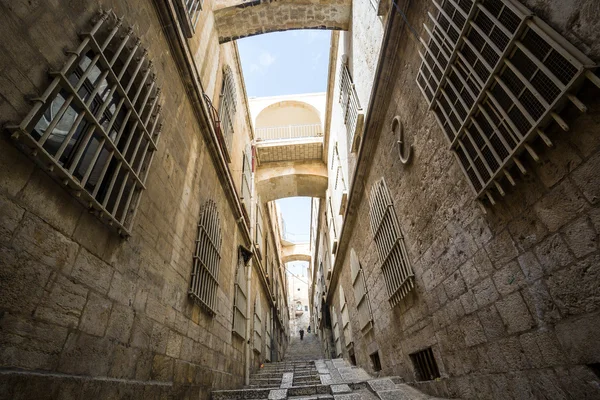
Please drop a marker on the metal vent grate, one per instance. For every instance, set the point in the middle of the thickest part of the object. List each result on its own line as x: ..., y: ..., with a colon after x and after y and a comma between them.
x: 425, y: 365
x: 96, y: 127
x: 495, y: 76
x: 396, y: 268
x: 207, y: 257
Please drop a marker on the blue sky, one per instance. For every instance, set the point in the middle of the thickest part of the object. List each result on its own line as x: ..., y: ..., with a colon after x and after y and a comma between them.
x: 281, y: 63
x: 288, y: 62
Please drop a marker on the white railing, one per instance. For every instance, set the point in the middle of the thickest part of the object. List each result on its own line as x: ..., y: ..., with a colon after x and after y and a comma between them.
x: 289, y: 132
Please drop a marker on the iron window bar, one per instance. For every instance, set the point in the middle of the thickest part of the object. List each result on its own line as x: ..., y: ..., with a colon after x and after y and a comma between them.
x: 361, y: 296
x: 96, y: 127
x: 204, y: 282
x: 495, y: 77
x: 353, y: 114
x: 189, y: 14
x: 227, y: 109
x: 426, y: 368
x: 395, y: 264
x: 257, y: 326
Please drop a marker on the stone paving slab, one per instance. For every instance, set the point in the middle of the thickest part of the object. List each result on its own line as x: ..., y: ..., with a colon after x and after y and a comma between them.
x: 377, y: 385
x: 278, y: 394
x: 287, y: 380
x: 339, y: 389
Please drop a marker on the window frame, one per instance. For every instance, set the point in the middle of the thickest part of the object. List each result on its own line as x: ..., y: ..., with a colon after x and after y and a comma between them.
x: 130, y: 87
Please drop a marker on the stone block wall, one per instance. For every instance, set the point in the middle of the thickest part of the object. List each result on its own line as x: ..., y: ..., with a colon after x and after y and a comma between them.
x: 84, y: 312
x: 508, y: 299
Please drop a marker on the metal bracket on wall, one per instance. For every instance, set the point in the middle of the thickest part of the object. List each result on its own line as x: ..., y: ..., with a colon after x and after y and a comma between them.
x: 397, y: 124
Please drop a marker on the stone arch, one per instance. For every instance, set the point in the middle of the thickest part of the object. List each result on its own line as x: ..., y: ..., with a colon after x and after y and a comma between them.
x: 279, y: 180
x: 309, y: 113
x: 248, y: 18
x: 295, y: 252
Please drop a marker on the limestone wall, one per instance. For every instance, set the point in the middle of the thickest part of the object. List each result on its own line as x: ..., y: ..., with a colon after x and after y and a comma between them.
x: 84, y: 312
x: 507, y: 300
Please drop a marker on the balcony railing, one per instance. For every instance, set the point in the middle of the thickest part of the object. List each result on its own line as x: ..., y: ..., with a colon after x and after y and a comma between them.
x: 289, y: 132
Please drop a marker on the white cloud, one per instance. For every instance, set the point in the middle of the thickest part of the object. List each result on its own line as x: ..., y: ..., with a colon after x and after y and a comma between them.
x: 266, y: 59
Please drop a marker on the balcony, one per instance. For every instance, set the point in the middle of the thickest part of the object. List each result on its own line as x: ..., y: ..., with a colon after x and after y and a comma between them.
x: 289, y: 143
x: 289, y: 132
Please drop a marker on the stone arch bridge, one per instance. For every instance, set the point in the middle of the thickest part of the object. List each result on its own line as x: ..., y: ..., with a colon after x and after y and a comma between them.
x: 236, y: 19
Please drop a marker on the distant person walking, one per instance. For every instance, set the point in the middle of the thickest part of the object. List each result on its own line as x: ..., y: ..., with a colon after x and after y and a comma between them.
x: 308, y: 329
x: 301, y: 334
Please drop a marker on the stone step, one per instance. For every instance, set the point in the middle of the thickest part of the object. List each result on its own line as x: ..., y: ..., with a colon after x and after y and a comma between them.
x: 309, y: 390
x: 240, y: 394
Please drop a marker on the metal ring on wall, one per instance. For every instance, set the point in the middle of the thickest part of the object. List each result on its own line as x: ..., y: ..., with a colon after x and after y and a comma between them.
x: 403, y: 159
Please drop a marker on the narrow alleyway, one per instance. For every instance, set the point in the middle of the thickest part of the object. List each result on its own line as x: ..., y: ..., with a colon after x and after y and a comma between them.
x: 305, y: 375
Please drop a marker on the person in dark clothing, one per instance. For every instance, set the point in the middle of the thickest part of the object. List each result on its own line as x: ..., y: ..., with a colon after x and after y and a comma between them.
x: 301, y: 334
x: 308, y: 329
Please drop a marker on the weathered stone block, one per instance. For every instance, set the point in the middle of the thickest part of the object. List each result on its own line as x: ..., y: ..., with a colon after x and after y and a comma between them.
x: 120, y: 323
x: 581, y: 237
x: 162, y: 368
x: 587, y: 180
x: 485, y: 292
x: 64, y: 305
x: 472, y: 330
x: 575, y: 289
x: 566, y: 199
x: 95, y: 315
x: 509, y: 278
x: 514, y: 313
x: 501, y: 249
x: 92, y: 271
x: 553, y: 253
x: 86, y: 355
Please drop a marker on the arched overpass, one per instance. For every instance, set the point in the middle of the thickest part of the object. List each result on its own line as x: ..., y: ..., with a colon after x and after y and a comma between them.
x: 247, y: 18
x: 278, y: 180
x: 295, y: 252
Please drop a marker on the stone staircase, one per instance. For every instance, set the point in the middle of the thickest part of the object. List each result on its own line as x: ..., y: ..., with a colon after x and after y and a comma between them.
x: 306, y: 375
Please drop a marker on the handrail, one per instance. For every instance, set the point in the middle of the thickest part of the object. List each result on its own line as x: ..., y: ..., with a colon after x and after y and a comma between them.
x: 289, y: 132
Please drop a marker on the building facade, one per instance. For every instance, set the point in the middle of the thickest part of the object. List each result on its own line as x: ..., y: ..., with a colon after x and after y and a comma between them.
x: 132, y: 265
x: 456, y: 246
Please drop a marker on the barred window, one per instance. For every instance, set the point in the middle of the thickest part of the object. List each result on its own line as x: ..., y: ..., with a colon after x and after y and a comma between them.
x: 247, y: 181
x: 268, y: 335
x: 189, y: 13
x: 205, y: 272
x: 240, y: 298
x: 331, y: 226
x: 495, y: 77
x: 395, y: 265
x: 96, y: 127
x: 352, y: 112
x: 335, y: 330
x: 258, y: 328
x: 340, y: 183
x: 346, y: 328
x: 361, y: 296
x: 258, y: 239
x: 227, y: 109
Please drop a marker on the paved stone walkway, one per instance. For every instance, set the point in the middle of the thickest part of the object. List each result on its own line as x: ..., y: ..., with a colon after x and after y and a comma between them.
x: 304, y: 374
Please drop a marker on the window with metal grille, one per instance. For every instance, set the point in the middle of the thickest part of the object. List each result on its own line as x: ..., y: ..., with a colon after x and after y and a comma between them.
x: 258, y: 328
x: 258, y: 239
x: 363, y: 305
x: 227, y: 109
x: 207, y: 257
x: 247, y: 181
x: 425, y: 365
x: 340, y: 183
x: 96, y: 127
x: 240, y: 299
x: 188, y: 12
x: 335, y: 330
x: 268, y: 335
x: 331, y: 226
x: 346, y: 327
x: 352, y: 112
x: 395, y: 265
x: 495, y: 77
